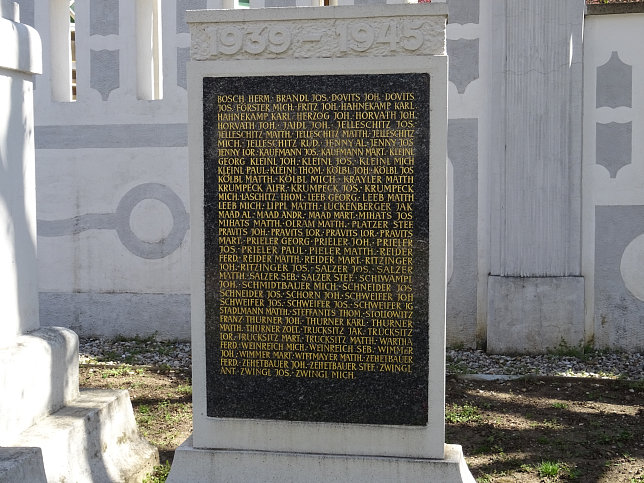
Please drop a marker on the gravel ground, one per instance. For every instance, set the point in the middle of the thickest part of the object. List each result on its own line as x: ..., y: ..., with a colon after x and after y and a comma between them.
x: 146, y: 352
x: 595, y: 364
x: 176, y: 355
x: 612, y: 1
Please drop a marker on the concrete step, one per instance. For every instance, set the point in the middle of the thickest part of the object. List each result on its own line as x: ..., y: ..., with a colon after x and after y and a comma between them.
x: 92, y: 439
x: 38, y: 376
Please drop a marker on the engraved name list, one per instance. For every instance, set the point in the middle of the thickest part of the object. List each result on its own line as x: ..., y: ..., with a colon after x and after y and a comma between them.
x: 316, y: 244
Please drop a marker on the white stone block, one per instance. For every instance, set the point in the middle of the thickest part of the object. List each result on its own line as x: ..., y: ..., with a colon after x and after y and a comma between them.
x: 9, y: 10
x: 199, y: 465
x: 534, y: 106
x: 21, y: 48
x: 38, y: 375
x: 534, y: 315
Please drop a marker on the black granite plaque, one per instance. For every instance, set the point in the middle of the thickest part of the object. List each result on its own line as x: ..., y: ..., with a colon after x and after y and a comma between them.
x: 316, y: 247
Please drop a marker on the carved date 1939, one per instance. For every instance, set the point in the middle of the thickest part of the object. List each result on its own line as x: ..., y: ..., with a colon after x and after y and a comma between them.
x: 341, y: 38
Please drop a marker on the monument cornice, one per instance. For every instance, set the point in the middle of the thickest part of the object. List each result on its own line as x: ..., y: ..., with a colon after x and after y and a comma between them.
x: 333, y: 32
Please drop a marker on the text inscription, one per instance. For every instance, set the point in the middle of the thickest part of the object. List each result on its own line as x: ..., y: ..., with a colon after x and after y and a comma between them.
x: 316, y: 255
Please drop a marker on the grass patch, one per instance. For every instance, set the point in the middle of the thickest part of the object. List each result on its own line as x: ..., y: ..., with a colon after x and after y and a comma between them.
x: 543, y: 440
x: 465, y: 413
x: 159, y: 475
x: 490, y: 447
x: 509, y: 430
x: 137, y: 339
x: 635, y: 385
x: 185, y: 389
x: 622, y: 436
x: 553, y: 469
x: 143, y: 415
x: 163, y: 368
x: 560, y: 405
x: 109, y: 356
x: 117, y: 372
x: 580, y: 352
x: 457, y: 368
x: 162, y: 414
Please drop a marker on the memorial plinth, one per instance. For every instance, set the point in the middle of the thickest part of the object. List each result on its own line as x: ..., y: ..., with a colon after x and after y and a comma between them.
x: 317, y: 168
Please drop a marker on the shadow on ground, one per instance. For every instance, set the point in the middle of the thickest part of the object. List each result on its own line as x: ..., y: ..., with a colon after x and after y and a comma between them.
x: 588, y: 430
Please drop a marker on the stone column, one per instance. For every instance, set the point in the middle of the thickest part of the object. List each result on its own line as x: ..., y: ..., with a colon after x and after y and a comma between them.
x: 535, y: 291
x: 19, y: 60
x: 35, y: 377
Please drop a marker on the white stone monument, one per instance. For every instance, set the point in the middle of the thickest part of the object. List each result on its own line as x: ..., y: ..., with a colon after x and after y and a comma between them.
x: 320, y: 103
x: 49, y: 431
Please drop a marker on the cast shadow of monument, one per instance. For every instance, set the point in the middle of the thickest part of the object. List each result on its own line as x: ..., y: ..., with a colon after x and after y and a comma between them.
x: 587, y: 430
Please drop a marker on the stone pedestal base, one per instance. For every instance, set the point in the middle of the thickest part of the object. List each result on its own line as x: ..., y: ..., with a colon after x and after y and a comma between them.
x: 94, y: 438
x: 209, y: 465
x: 38, y: 375
x: 534, y: 315
x: 50, y: 428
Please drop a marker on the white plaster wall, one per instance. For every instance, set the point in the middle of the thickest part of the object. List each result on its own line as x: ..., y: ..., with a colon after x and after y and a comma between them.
x: 613, y: 212
x: 466, y: 93
x: 93, y: 181
x: 123, y: 105
x: 92, y: 151
x: 623, y: 34
x: 95, y: 152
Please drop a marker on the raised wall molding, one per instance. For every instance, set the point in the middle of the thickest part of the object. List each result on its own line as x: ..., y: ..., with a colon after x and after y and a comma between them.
x: 466, y: 71
x: 104, y: 17
x: 614, y: 83
x: 104, y: 71
x: 614, y: 145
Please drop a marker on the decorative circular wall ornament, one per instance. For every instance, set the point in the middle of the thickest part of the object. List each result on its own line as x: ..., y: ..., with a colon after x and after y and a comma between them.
x: 632, y: 267
x: 165, y: 246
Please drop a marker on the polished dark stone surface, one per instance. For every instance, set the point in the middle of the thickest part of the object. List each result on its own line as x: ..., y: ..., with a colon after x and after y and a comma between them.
x: 371, y: 397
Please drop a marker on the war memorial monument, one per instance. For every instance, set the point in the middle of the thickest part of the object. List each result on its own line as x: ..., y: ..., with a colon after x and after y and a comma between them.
x: 317, y: 168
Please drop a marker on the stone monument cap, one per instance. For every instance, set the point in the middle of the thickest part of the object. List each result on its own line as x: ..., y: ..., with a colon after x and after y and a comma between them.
x: 21, y: 46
